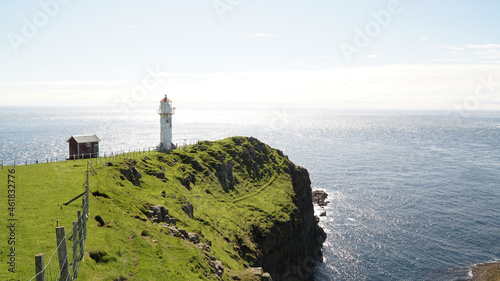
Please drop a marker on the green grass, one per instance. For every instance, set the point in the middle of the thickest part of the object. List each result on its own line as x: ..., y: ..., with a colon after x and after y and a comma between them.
x: 130, y: 246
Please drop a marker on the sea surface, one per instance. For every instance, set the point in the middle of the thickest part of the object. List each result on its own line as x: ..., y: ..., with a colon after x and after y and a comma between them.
x: 414, y: 196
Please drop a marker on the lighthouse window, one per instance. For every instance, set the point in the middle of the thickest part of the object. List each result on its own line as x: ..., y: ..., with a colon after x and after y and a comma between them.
x: 166, y: 121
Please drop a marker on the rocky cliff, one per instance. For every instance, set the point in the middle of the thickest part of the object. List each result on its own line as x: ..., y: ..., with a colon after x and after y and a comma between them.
x: 234, y: 209
x: 291, y: 249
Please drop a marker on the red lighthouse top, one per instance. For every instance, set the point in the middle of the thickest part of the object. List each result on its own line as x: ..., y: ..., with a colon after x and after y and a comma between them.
x: 165, y: 99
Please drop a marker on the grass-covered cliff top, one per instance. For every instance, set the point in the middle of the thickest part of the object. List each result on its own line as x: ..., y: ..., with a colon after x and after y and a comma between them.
x: 235, y: 186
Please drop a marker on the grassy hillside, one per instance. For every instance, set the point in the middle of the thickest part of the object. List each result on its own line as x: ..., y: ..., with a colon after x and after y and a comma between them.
x: 235, y: 185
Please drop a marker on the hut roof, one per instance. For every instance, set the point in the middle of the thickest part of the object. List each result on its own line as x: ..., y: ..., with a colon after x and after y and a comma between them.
x: 85, y: 138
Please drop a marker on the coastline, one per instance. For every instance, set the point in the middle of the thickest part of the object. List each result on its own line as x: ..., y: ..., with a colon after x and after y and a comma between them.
x: 486, y: 272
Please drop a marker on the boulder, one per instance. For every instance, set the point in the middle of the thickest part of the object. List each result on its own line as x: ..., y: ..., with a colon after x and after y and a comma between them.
x: 188, y: 209
x: 204, y: 247
x: 175, y: 231
x: 193, y: 237
x: 217, y: 267
x: 186, y: 182
x: 257, y: 271
x: 171, y: 220
x: 157, y: 213
x: 184, y: 233
x: 132, y: 174
x: 319, y: 197
x: 266, y: 277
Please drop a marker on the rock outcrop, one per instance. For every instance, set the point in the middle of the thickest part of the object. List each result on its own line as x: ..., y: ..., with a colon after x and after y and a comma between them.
x: 131, y: 173
x: 319, y: 197
x: 290, y: 250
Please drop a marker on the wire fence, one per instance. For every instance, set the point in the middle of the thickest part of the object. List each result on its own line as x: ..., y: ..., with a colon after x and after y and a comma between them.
x: 65, y: 261
x: 92, y: 157
x: 95, y: 158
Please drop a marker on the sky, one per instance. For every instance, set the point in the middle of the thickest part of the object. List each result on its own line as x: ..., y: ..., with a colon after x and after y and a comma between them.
x: 364, y: 55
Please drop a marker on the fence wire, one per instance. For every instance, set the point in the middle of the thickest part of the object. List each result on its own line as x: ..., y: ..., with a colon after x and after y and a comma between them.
x: 74, y: 255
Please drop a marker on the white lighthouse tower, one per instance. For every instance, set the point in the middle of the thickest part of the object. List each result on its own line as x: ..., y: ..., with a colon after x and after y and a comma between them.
x: 166, y: 111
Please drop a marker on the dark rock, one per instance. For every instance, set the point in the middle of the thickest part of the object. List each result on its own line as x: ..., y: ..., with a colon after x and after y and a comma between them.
x: 204, y: 247
x: 99, y: 220
x: 184, y: 233
x: 319, y: 197
x: 217, y: 267
x: 186, y: 182
x: 171, y: 220
x: 289, y: 249
x: 98, y: 194
x: 164, y: 194
x: 188, y: 209
x: 139, y: 218
x: 323, y: 214
x: 175, y: 231
x: 161, y: 176
x: 224, y: 172
x: 157, y: 213
x: 132, y: 174
x: 193, y: 237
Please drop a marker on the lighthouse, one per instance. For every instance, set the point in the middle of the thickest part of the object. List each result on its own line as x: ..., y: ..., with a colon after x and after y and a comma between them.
x: 166, y: 111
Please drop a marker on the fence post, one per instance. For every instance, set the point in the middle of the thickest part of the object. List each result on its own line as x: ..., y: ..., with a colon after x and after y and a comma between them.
x: 75, y: 249
x: 39, y: 267
x: 62, y: 253
x: 80, y: 236
x: 83, y: 222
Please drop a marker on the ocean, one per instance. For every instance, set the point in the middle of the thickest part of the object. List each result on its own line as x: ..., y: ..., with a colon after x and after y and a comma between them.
x: 413, y: 196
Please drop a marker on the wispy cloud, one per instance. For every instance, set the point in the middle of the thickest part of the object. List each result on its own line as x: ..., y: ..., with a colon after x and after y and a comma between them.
x: 264, y: 35
x: 423, y: 39
x: 483, y: 46
x: 449, y: 47
x: 391, y: 86
x: 132, y: 26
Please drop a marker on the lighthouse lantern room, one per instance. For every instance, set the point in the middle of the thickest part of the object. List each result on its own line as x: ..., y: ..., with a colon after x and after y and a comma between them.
x: 166, y: 111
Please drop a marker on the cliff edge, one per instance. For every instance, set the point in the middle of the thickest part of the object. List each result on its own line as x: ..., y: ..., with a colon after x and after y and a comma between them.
x: 234, y: 209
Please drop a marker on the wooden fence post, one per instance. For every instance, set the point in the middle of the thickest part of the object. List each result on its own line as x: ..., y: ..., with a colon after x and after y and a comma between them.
x: 39, y: 267
x: 80, y: 228
x: 62, y: 253
x: 75, y: 249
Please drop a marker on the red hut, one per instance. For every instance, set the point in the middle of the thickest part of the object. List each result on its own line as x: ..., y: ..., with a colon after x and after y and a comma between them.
x: 81, y: 147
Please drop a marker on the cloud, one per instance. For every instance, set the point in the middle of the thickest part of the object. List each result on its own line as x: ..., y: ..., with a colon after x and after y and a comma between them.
x: 380, y: 87
x: 484, y: 46
x: 449, y: 47
x: 423, y: 39
x: 259, y: 35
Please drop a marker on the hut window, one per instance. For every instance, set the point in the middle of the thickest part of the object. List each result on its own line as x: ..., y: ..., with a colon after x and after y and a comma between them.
x: 88, y: 144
